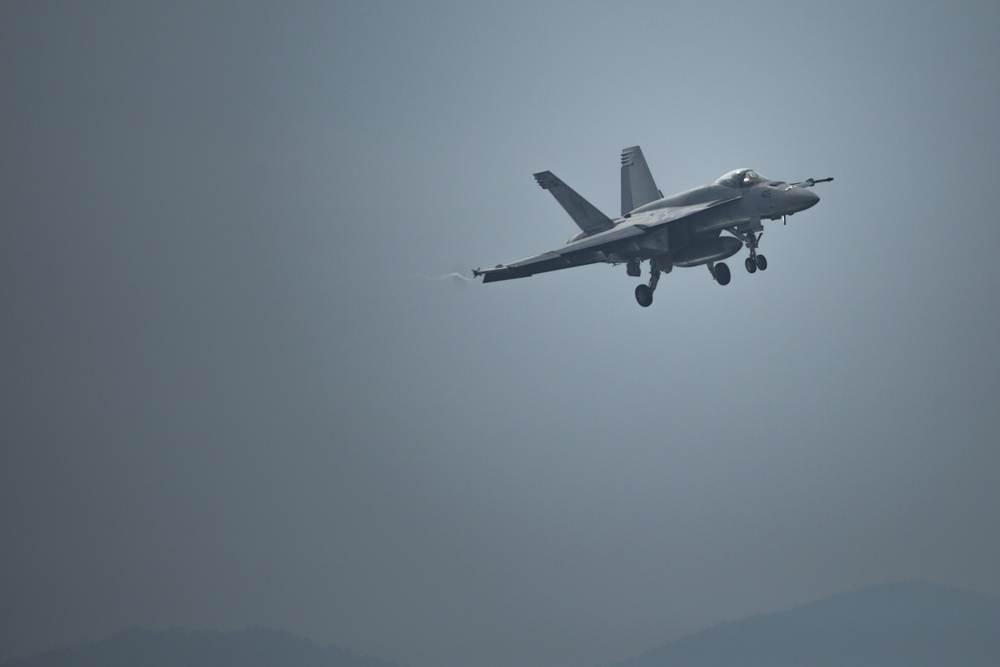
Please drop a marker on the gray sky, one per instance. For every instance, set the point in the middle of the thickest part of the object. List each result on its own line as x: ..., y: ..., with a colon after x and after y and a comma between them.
x: 230, y: 400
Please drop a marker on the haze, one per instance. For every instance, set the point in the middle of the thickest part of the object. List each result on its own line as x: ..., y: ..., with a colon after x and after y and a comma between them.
x: 232, y: 398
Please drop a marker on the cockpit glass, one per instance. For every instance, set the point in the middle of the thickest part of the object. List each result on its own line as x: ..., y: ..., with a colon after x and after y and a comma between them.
x: 741, y: 178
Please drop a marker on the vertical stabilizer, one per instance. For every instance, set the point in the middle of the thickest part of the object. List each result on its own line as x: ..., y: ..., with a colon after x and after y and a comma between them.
x: 638, y: 187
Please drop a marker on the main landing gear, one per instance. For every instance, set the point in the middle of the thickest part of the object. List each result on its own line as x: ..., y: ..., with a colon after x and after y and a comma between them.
x: 720, y: 272
x: 754, y: 261
x: 644, y: 293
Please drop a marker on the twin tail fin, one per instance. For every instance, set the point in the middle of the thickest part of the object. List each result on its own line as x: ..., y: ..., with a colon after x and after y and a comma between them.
x: 584, y: 214
x: 638, y: 187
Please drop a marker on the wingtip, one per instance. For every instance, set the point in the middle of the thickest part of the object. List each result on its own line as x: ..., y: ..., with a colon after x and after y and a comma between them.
x: 546, y: 180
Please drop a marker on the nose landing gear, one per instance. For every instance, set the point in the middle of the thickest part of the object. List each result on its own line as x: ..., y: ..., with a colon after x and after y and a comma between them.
x: 754, y: 261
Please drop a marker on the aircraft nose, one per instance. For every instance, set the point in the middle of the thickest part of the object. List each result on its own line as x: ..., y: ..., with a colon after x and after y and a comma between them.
x: 801, y: 199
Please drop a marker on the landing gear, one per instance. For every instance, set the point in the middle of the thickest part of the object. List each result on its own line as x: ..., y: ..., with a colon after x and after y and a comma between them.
x: 644, y: 293
x: 720, y: 272
x: 754, y: 262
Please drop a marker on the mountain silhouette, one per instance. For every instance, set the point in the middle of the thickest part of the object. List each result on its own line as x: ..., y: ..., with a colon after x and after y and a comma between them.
x: 136, y: 647
x: 911, y: 624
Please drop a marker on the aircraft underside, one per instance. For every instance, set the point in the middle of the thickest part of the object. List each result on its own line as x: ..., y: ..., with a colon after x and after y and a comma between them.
x: 708, y: 252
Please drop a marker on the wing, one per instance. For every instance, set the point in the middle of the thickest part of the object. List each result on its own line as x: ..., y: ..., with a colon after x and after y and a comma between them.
x: 628, y: 239
x: 589, y: 250
x: 638, y: 187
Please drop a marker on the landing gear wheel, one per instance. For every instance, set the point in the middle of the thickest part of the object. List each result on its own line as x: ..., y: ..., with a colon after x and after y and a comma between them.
x: 761, y: 262
x: 722, y: 274
x: 750, y: 264
x: 643, y: 295
x: 633, y: 269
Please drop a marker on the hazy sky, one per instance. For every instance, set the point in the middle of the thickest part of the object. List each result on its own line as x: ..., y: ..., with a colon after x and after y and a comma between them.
x: 232, y: 397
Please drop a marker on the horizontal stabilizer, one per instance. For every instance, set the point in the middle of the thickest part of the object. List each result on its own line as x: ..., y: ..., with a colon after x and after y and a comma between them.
x: 584, y: 214
x: 638, y: 187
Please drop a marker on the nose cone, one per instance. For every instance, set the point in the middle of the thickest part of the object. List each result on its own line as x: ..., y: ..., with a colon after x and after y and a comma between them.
x: 799, y: 199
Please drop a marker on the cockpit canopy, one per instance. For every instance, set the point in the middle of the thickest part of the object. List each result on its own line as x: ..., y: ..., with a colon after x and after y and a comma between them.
x: 741, y: 178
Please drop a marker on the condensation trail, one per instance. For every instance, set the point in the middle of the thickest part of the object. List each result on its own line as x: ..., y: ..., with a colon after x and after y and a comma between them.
x: 447, y: 276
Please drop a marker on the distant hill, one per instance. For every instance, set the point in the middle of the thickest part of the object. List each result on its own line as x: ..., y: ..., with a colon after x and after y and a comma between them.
x: 894, y: 625
x: 910, y: 624
x: 137, y: 647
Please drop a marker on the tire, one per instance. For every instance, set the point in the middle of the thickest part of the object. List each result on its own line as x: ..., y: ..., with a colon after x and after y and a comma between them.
x: 643, y: 295
x: 761, y: 262
x: 722, y: 274
x: 750, y: 264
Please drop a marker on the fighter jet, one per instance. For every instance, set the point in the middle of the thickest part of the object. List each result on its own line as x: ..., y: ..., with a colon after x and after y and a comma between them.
x: 701, y: 226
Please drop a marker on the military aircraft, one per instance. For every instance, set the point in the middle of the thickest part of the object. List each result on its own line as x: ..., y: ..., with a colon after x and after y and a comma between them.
x: 683, y: 230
